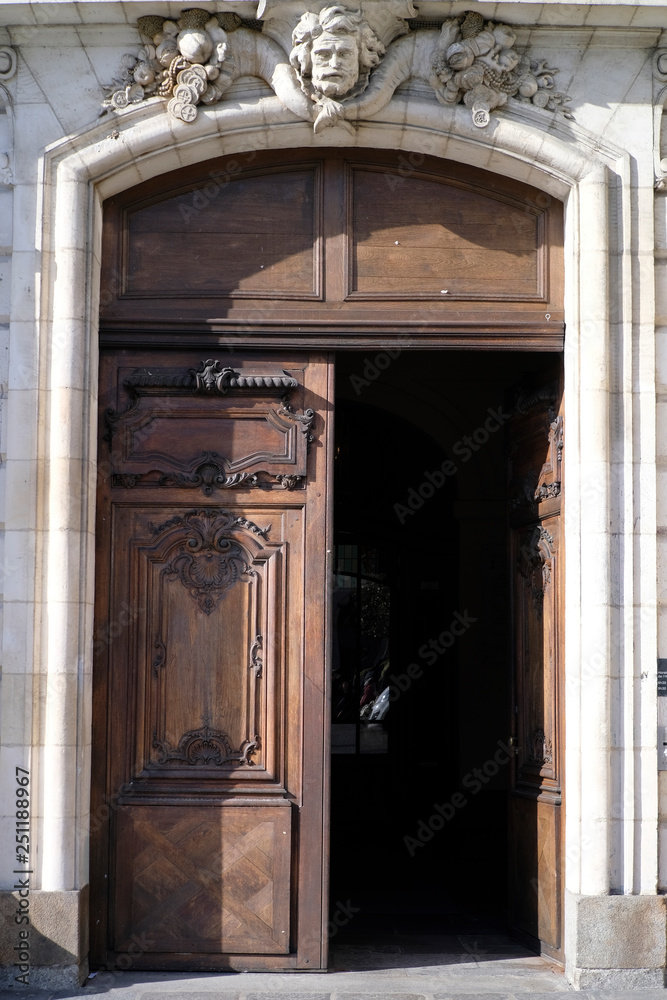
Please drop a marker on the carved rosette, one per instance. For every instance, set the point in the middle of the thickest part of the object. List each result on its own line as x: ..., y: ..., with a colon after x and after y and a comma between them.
x: 334, y: 64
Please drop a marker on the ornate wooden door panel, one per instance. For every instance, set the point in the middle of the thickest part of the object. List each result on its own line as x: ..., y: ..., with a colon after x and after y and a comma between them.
x: 536, y: 823
x: 210, y: 660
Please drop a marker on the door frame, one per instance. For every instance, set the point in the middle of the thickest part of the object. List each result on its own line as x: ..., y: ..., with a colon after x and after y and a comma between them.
x: 81, y: 171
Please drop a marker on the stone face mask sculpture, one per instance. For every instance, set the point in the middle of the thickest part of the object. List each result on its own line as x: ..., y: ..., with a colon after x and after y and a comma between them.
x: 334, y: 52
x: 339, y: 70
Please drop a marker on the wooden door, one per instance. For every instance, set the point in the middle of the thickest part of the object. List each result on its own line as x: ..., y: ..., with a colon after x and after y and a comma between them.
x: 209, y: 721
x: 536, y: 554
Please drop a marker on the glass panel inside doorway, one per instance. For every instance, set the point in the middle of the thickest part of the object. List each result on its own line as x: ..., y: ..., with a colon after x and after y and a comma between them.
x: 361, y: 664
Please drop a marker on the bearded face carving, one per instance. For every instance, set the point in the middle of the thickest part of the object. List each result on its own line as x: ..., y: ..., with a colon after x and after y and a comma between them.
x: 334, y: 52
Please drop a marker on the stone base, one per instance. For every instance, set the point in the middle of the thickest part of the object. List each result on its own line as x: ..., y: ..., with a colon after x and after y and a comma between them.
x: 615, y: 942
x: 618, y: 979
x: 57, y: 942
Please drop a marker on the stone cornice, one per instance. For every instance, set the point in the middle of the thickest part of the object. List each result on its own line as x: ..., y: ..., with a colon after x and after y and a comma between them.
x: 547, y: 13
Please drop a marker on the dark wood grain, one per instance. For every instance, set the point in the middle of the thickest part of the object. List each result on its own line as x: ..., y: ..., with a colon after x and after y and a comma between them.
x: 209, y: 671
x: 340, y: 244
x: 437, y: 234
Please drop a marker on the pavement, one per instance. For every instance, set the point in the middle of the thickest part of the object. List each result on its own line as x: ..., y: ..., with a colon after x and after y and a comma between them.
x: 437, y: 967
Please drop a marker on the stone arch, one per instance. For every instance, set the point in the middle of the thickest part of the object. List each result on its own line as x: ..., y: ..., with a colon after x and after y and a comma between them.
x: 83, y: 170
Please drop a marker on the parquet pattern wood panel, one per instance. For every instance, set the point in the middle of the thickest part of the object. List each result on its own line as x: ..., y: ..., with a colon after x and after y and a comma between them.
x: 211, y: 879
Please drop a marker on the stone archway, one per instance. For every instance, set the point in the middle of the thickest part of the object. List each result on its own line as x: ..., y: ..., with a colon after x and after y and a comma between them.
x: 79, y: 173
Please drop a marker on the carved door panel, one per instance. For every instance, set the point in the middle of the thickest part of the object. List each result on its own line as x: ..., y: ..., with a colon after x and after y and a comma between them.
x: 536, y: 553
x: 209, y: 676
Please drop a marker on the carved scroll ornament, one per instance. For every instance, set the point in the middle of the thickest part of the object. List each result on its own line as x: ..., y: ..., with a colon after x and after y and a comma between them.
x: 209, y: 470
x: 205, y: 747
x: 208, y: 562
x: 535, y: 561
x: 540, y: 749
x: 341, y: 67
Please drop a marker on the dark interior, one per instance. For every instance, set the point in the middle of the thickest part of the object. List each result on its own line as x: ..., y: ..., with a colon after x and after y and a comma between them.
x: 418, y: 829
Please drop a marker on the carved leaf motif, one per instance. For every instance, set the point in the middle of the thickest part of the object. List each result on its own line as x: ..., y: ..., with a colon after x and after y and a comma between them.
x: 213, y: 377
x: 226, y: 518
x: 208, y: 472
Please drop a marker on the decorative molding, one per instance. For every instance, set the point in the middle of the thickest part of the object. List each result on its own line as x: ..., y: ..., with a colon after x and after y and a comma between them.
x: 205, y: 747
x: 225, y: 517
x: 344, y: 64
x: 242, y: 522
x: 211, y: 377
x: 659, y: 152
x: 545, y: 485
x: 535, y: 563
x: 255, y: 658
x: 660, y: 65
x: 8, y: 63
x: 545, y: 396
x: 160, y: 657
x: 6, y: 175
x: 549, y: 479
x: 208, y: 562
x: 539, y: 750
x: 208, y: 471
x: 303, y: 420
x: 289, y: 482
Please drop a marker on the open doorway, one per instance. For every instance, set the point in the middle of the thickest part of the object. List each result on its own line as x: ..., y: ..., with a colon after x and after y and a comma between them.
x: 423, y: 687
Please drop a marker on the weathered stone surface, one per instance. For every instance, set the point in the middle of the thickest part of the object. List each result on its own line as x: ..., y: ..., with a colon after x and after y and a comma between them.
x: 58, y: 941
x: 618, y: 932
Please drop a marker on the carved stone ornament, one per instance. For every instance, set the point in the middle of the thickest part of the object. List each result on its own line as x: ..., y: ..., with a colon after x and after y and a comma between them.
x: 659, y: 131
x: 6, y: 176
x: 344, y: 65
x: 205, y: 747
x: 8, y: 63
